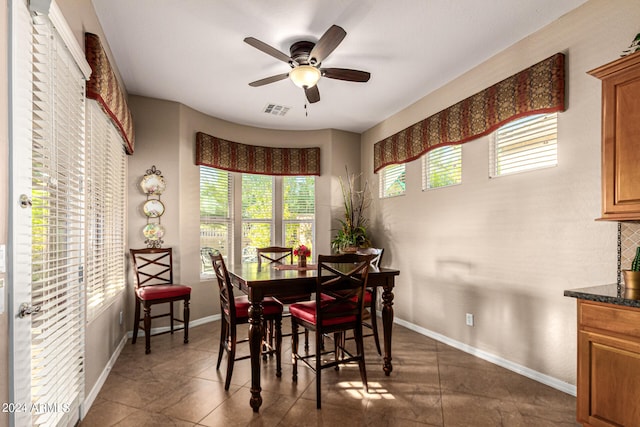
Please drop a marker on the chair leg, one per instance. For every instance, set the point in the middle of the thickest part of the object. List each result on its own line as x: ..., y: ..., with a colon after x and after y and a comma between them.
x: 147, y: 328
x: 306, y: 341
x: 374, y: 322
x: 360, y: 350
x: 136, y: 322
x: 278, y: 325
x: 185, y: 315
x: 318, y: 368
x: 294, y: 349
x: 224, y: 332
x: 232, y: 355
x: 171, y: 316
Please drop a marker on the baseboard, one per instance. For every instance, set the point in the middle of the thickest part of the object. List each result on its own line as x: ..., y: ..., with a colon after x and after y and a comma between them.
x: 91, y: 397
x: 507, y: 364
x: 192, y: 323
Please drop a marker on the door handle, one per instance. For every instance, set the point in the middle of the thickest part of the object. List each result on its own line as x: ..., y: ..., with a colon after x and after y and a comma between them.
x: 27, y: 309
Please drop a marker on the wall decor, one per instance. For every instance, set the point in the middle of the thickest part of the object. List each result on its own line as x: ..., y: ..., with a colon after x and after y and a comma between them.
x: 153, y: 185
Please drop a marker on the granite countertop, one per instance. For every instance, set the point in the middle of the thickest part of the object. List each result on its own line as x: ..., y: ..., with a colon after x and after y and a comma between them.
x: 610, y: 294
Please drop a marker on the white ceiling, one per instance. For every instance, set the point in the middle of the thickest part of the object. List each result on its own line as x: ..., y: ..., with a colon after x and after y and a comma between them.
x: 192, y: 52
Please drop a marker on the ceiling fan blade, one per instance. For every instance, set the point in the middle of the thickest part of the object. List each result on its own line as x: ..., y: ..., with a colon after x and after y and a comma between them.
x: 268, y: 80
x: 346, y: 74
x: 313, y: 94
x: 327, y: 43
x: 262, y: 46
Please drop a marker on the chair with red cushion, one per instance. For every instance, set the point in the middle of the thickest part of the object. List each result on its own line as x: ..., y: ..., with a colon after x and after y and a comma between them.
x: 337, y: 308
x: 235, y: 311
x: 153, y: 273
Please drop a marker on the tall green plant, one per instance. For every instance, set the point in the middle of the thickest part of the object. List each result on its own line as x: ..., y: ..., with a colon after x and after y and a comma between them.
x: 353, y: 230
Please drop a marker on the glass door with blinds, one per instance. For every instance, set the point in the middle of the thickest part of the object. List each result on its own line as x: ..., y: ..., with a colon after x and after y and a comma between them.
x: 47, y: 357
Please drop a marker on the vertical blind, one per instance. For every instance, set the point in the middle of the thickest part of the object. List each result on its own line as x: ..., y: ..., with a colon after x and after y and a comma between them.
x: 57, y: 227
x: 106, y: 210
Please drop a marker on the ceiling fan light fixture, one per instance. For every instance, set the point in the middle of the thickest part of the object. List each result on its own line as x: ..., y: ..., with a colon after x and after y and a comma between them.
x: 305, y: 76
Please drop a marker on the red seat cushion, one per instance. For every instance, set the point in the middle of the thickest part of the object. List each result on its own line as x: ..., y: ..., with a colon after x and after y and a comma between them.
x: 367, y: 298
x: 148, y: 293
x: 269, y: 306
x: 307, y: 311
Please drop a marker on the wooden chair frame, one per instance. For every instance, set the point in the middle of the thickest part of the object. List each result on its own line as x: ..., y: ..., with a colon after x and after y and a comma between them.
x: 152, y: 267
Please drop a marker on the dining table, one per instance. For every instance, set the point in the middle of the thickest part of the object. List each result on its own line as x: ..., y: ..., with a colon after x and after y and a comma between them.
x: 274, y: 281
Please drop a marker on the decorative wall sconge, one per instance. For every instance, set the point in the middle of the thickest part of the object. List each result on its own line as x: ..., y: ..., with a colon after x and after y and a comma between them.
x: 153, y: 185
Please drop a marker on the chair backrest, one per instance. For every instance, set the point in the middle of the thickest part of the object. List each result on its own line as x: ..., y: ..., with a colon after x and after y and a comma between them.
x: 377, y: 252
x: 227, y: 302
x: 152, y: 266
x: 274, y: 254
x: 344, y: 278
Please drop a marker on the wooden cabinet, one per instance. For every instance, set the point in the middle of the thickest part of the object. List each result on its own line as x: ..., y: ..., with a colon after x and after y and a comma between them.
x: 608, y: 364
x: 620, y: 138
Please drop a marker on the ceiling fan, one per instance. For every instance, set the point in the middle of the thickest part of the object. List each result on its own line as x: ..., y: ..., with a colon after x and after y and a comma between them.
x: 305, y: 60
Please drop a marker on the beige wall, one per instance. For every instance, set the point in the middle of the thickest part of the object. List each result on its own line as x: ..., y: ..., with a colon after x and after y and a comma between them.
x: 165, y: 137
x: 505, y: 249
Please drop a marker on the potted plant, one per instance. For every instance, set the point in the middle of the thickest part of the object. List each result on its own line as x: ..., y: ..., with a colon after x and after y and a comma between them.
x: 632, y: 277
x: 353, y: 231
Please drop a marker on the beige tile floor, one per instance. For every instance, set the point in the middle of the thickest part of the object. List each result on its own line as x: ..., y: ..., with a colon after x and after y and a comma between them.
x: 432, y: 384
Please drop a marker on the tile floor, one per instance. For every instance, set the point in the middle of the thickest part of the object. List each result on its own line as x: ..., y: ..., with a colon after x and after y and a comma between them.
x: 432, y: 384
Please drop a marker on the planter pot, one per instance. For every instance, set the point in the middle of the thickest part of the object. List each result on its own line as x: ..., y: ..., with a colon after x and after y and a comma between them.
x: 631, y: 279
x: 349, y: 250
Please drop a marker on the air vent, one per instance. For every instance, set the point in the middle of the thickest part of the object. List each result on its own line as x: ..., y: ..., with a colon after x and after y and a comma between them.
x: 276, y: 110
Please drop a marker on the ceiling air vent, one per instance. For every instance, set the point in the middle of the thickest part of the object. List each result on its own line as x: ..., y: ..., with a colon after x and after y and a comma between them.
x: 276, y: 110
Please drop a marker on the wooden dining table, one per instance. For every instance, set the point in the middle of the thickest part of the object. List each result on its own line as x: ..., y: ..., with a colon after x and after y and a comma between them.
x: 269, y: 281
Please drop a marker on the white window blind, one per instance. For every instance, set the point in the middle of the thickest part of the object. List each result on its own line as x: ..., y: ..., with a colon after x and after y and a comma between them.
x: 216, y: 223
x: 298, y: 210
x: 525, y: 144
x: 106, y: 210
x: 57, y: 340
x: 442, y: 167
x: 257, y: 214
x: 392, y: 181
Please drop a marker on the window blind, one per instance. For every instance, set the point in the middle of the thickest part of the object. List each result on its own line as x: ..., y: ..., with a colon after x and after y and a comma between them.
x: 525, y: 144
x: 106, y: 210
x: 442, y: 167
x: 216, y: 192
x: 298, y: 210
x: 57, y: 337
x: 392, y: 181
x: 257, y: 214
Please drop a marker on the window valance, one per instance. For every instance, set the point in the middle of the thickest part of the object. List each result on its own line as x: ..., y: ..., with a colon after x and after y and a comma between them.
x: 538, y: 89
x: 104, y: 88
x: 236, y: 157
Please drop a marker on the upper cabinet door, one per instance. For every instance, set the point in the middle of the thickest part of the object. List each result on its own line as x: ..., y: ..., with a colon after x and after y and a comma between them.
x: 620, y: 138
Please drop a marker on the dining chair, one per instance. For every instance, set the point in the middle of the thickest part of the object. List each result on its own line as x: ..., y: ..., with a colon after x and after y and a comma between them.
x: 371, y: 297
x: 339, y: 301
x: 278, y: 255
x: 153, y: 277
x: 235, y: 311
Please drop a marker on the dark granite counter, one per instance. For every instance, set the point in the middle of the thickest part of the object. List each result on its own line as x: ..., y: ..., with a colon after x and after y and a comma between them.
x: 609, y: 294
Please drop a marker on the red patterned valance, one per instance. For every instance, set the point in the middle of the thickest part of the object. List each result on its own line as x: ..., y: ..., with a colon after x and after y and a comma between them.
x: 236, y: 157
x: 538, y: 89
x: 104, y: 88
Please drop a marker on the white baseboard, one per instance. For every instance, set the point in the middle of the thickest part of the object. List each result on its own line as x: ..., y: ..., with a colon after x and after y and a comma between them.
x: 88, y: 400
x: 192, y: 323
x: 507, y: 364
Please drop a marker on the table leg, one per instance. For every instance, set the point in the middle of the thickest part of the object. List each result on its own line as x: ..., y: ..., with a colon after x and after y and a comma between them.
x: 255, y: 346
x: 387, y: 324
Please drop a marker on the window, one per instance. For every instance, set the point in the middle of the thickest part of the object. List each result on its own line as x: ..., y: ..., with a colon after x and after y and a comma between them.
x: 216, y: 224
x: 298, y: 210
x: 106, y: 210
x: 525, y: 144
x: 257, y: 214
x: 442, y: 167
x: 392, y: 181
x: 270, y: 210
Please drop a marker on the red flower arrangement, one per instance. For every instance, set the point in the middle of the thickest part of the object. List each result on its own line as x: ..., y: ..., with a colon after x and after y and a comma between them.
x: 302, y: 250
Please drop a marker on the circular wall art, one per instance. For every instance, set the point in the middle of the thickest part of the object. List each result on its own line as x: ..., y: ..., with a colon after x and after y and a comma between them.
x: 153, y: 184
x: 153, y: 231
x: 153, y: 208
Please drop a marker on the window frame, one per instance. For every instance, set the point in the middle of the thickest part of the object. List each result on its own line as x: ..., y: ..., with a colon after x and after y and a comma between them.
x: 448, y: 160
x: 399, y: 170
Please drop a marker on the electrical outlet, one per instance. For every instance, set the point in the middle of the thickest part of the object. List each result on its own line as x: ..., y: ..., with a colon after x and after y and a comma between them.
x: 469, y: 319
